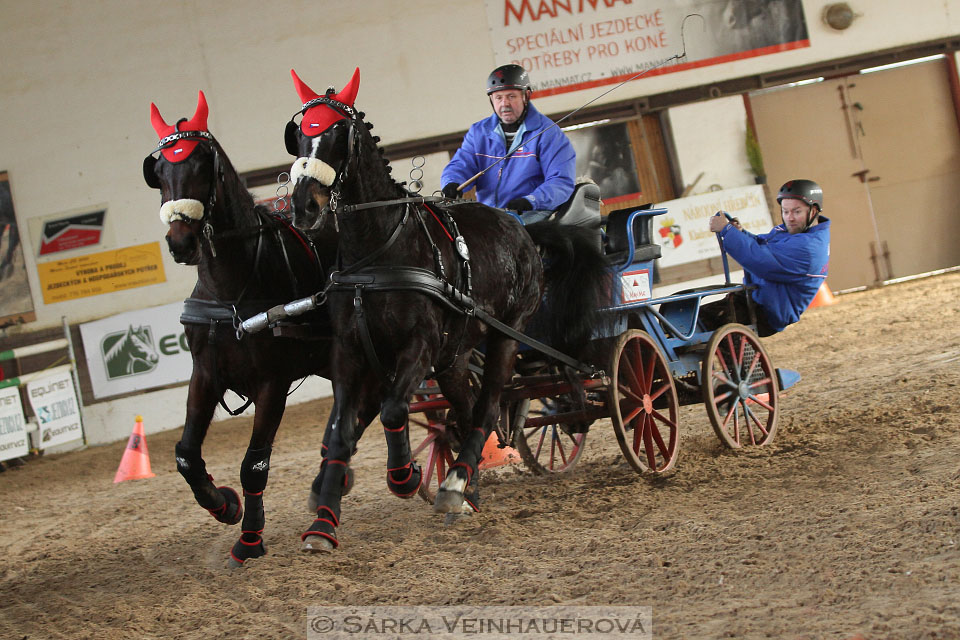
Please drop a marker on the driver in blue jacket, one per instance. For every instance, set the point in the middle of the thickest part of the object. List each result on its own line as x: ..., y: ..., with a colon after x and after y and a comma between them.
x: 787, y: 265
x: 538, y: 177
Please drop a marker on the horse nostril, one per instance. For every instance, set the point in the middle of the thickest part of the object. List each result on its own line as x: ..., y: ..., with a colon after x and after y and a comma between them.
x: 312, y: 207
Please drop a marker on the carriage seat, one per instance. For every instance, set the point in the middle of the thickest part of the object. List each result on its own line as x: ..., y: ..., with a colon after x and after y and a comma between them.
x: 618, y: 236
x: 583, y: 208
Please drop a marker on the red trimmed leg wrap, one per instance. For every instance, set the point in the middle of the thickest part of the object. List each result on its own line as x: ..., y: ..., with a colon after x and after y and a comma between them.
x: 324, y: 525
x: 231, y: 511
x: 463, y: 465
x: 250, y: 545
x: 410, y: 482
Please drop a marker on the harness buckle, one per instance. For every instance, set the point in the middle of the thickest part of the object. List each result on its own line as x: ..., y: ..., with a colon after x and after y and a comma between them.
x: 462, y: 248
x: 208, y: 236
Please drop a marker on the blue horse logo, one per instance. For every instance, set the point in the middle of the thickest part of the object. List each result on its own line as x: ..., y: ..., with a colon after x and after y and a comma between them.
x: 129, y: 353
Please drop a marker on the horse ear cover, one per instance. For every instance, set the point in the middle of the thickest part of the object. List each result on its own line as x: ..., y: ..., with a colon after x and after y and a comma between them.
x: 183, y: 148
x: 149, y: 175
x: 319, y: 118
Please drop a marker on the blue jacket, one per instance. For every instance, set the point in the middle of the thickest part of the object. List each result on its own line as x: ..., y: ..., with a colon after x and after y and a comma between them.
x: 542, y: 171
x: 787, y: 269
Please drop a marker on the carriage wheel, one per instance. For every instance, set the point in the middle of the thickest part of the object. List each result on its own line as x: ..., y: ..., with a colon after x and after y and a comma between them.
x: 435, y: 457
x: 433, y: 453
x: 548, y: 449
x: 740, y: 388
x: 643, y: 403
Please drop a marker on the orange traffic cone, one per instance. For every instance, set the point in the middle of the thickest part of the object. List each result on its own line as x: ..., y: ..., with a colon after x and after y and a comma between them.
x: 136, y: 460
x: 824, y: 297
x: 494, y: 456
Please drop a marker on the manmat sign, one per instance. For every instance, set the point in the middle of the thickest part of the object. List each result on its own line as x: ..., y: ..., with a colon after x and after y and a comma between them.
x: 568, y: 45
x: 136, y: 350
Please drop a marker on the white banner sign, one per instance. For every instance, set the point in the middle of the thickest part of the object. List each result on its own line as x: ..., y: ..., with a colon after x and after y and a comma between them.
x: 684, y: 233
x: 55, y: 405
x: 13, y: 434
x: 136, y: 350
x: 568, y: 45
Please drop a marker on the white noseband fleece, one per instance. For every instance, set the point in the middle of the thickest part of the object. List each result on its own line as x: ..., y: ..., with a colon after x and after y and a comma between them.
x: 181, y: 210
x: 313, y: 168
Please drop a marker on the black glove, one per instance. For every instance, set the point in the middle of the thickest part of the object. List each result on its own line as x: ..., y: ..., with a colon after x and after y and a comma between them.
x: 519, y: 205
x: 451, y: 191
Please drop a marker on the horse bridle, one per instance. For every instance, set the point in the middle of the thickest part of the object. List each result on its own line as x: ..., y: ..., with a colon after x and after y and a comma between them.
x: 150, y: 176
x: 355, y: 119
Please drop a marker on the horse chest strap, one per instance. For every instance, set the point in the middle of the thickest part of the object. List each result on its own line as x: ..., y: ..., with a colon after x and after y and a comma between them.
x: 364, y: 330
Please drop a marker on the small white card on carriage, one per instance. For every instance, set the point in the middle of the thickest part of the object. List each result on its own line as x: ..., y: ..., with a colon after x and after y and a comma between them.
x: 13, y: 433
x: 55, y: 405
x: 635, y: 285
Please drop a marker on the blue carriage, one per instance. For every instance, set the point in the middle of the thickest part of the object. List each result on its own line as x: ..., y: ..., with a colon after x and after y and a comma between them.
x: 653, y: 354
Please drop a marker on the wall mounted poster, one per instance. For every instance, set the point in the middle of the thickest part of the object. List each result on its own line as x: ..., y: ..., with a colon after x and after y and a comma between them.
x: 16, y: 304
x: 568, y: 45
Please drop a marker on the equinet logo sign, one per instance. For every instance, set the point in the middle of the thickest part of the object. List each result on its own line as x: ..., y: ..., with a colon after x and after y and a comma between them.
x: 129, y: 353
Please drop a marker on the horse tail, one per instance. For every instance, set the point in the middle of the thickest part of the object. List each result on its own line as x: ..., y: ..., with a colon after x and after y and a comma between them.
x: 577, y: 277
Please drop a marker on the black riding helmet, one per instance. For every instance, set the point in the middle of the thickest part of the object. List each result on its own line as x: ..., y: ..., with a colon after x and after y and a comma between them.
x: 510, y: 76
x: 807, y: 191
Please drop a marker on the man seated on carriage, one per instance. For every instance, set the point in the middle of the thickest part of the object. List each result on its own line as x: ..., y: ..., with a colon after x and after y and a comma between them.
x: 787, y: 265
x: 538, y: 177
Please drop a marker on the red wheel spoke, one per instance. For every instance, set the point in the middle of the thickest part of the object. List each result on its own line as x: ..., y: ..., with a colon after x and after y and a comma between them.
x: 753, y: 416
x: 753, y: 365
x: 756, y: 400
x: 431, y: 437
x: 658, y: 438
x: 723, y: 363
x: 648, y: 445
x: 659, y: 392
x: 638, y: 433
x: 731, y: 350
x: 628, y: 393
x: 428, y: 468
x: 741, y: 351
x: 559, y: 447
x: 721, y: 398
x: 543, y: 432
x: 637, y: 361
x: 664, y: 419
x: 722, y: 377
x: 631, y: 379
x: 631, y: 415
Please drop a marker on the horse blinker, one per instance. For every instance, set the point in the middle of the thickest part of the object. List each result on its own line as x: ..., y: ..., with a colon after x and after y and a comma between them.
x: 290, y: 138
x: 149, y: 172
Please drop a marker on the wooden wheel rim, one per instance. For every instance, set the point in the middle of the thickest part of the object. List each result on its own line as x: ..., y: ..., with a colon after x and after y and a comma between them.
x: 643, y: 403
x: 740, y: 388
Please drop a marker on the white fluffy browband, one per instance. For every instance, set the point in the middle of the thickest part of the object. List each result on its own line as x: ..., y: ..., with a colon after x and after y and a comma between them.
x: 181, y: 210
x: 313, y: 168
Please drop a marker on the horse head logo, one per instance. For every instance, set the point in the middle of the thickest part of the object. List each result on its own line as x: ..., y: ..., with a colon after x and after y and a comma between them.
x: 129, y: 353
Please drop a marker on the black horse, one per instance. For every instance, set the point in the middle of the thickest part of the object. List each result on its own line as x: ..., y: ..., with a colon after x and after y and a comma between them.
x: 248, y: 260
x: 413, y: 279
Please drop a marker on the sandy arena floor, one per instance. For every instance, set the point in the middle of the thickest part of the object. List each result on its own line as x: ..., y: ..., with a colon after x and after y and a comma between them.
x: 848, y: 525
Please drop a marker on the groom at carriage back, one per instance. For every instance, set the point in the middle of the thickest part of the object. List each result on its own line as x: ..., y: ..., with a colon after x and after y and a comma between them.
x: 538, y: 175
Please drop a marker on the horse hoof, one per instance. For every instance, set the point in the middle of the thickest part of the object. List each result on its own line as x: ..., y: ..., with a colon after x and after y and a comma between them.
x: 448, y: 502
x: 233, y: 563
x: 317, y: 544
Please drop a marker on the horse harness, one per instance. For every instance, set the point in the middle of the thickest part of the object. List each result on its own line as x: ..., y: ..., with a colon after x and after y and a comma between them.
x: 213, y: 313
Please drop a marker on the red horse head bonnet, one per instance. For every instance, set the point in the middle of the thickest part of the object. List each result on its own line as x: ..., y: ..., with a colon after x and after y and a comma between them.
x: 178, y: 141
x: 319, y: 114
x: 317, y: 118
